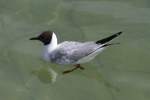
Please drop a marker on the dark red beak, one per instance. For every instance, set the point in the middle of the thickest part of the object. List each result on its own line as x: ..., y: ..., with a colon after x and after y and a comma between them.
x: 34, y: 38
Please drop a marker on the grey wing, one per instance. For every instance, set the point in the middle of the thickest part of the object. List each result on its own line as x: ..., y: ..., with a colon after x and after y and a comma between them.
x: 74, y: 51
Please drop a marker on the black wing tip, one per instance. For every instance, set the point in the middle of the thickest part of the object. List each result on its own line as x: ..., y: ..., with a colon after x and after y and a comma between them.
x: 107, y: 39
x: 119, y: 33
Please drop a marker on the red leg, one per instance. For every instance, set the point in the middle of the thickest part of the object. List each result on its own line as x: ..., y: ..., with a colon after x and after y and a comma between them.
x: 76, y: 67
x: 79, y: 66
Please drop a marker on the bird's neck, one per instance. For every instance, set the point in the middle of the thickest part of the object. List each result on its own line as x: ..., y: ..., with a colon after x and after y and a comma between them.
x: 53, y: 44
x: 50, y: 47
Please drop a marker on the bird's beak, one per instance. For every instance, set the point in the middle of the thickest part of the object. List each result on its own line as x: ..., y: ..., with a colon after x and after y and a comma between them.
x: 34, y: 38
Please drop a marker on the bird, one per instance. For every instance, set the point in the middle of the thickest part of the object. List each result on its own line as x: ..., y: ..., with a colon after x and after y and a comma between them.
x: 72, y: 52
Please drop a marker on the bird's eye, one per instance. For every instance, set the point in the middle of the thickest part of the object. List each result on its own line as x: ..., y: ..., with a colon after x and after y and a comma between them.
x: 41, y: 37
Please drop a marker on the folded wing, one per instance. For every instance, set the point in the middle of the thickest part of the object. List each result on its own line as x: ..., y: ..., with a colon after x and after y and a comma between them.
x: 71, y: 52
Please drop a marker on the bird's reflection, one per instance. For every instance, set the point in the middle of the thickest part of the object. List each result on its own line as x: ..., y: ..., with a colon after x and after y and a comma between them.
x: 45, y: 75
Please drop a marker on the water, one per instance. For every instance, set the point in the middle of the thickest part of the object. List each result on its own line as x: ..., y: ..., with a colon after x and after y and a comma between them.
x: 120, y: 73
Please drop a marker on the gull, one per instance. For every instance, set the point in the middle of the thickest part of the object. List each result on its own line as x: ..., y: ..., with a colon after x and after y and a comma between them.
x: 72, y: 52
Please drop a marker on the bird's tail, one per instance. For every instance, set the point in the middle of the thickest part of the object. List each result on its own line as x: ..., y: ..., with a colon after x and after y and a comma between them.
x: 109, y: 44
x: 107, y: 39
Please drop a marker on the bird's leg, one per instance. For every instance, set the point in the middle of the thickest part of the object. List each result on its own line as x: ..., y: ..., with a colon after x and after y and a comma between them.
x: 71, y: 70
x: 76, y: 67
x: 79, y: 66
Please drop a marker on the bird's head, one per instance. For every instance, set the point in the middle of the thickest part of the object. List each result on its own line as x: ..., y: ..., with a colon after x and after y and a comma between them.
x: 45, y: 37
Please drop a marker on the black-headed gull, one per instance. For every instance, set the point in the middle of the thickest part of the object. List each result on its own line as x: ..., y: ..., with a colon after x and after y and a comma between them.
x: 71, y: 52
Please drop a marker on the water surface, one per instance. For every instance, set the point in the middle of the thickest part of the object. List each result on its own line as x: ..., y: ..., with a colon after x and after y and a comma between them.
x: 120, y: 73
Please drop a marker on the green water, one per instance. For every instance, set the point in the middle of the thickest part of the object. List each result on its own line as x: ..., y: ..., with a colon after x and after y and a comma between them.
x: 119, y: 73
